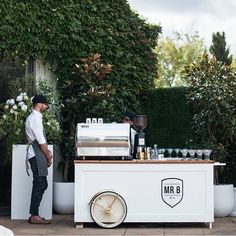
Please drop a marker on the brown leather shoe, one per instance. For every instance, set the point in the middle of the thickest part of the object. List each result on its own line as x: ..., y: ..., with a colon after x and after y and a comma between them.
x: 38, y: 220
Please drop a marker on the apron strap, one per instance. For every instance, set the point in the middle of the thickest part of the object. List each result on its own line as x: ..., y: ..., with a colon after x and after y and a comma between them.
x: 26, y: 159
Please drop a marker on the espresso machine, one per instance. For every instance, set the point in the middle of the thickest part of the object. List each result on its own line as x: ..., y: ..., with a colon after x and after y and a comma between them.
x: 140, y: 123
x: 102, y: 141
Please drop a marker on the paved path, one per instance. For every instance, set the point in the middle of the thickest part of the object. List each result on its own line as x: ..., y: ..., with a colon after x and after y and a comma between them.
x: 64, y: 225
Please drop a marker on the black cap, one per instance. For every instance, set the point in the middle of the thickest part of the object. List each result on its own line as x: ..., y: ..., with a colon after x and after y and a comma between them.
x: 39, y: 99
x: 129, y: 115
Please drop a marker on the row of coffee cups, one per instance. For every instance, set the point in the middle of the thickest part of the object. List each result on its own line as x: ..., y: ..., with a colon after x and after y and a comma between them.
x: 94, y: 120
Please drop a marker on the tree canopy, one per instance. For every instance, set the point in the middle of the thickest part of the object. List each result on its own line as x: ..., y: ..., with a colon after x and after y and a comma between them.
x: 219, y: 48
x: 175, y: 53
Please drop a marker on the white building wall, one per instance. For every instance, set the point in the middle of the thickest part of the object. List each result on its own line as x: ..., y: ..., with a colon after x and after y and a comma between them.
x: 43, y: 72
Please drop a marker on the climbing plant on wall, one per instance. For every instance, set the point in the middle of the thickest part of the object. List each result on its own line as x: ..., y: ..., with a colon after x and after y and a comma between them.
x: 64, y: 32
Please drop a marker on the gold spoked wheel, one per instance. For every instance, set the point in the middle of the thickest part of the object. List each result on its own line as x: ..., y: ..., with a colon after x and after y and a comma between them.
x: 108, y: 209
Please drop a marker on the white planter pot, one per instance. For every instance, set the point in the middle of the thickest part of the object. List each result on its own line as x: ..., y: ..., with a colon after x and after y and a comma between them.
x: 223, y: 200
x: 63, y: 198
x: 233, y: 213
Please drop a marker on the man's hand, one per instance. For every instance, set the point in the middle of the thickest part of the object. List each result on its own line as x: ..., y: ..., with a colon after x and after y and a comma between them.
x: 47, y: 153
x: 49, y: 158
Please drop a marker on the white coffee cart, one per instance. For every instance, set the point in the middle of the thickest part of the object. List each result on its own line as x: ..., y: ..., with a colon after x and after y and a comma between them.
x: 113, y: 191
x: 110, y: 192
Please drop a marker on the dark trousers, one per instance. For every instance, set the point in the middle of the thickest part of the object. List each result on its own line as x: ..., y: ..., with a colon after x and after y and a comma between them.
x: 40, y: 184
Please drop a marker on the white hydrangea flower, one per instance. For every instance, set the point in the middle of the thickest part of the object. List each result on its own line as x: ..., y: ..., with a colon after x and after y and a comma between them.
x: 20, y: 104
x: 19, y: 98
x: 4, y: 117
x: 11, y: 101
x: 14, y: 107
x: 24, y: 107
x: 23, y: 94
x: 6, y: 107
x: 25, y: 97
x: 11, y: 111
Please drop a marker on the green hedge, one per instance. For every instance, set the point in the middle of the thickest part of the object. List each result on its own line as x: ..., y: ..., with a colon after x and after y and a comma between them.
x: 169, y: 118
x: 169, y: 125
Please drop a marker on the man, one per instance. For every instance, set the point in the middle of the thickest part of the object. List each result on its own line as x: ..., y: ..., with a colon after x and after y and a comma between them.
x: 38, y: 155
x: 128, y: 117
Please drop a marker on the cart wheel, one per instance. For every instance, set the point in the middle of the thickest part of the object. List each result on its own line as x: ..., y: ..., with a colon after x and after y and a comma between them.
x: 108, y: 209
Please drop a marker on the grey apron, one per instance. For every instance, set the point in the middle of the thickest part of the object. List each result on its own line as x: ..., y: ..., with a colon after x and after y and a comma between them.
x: 41, y: 159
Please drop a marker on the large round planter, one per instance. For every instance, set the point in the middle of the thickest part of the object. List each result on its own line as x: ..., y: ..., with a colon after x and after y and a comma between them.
x: 63, y: 198
x: 233, y: 212
x: 223, y: 200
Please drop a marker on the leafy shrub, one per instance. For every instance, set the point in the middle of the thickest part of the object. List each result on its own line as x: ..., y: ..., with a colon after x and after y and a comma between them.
x: 212, y: 92
x: 12, y: 122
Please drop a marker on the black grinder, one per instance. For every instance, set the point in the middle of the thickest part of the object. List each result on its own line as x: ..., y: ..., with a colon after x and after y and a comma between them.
x: 140, y: 123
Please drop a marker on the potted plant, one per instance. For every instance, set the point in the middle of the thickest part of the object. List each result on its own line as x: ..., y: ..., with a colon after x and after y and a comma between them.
x: 63, y: 185
x: 12, y: 129
x: 212, y: 93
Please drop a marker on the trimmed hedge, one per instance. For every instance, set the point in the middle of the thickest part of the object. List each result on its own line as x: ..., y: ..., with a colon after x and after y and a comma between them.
x: 169, y: 125
x: 169, y: 118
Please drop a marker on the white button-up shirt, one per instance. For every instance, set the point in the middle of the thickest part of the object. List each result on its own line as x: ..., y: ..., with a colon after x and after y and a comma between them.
x: 34, y: 130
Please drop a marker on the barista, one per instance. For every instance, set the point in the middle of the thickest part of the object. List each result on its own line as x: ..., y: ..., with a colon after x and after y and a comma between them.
x: 128, y: 117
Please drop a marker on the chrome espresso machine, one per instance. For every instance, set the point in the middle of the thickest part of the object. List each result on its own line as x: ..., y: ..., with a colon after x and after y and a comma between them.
x: 102, y: 141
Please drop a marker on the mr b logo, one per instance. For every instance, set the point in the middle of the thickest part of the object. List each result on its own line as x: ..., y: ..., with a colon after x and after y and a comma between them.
x: 172, y: 191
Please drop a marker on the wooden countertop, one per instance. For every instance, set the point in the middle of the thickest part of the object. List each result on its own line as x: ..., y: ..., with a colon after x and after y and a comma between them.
x: 135, y: 161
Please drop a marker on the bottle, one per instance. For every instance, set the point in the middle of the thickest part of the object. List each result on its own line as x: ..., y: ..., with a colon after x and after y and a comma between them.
x: 141, y: 153
x: 154, y: 155
x: 161, y: 154
x: 147, y: 153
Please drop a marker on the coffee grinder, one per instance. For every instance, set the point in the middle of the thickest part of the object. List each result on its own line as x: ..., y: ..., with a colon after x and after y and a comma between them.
x: 140, y: 123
